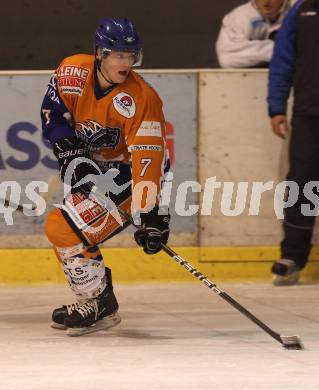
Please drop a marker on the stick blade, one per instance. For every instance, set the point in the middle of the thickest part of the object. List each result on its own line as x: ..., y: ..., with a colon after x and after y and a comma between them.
x: 292, y: 342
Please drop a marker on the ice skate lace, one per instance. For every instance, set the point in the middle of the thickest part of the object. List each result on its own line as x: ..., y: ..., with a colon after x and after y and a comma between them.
x: 85, y: 309
x: 73, y: 306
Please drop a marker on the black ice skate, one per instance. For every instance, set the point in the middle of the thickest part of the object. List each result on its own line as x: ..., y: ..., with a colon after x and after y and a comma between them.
x: 59, y: 314
x: 95, y: 314
x: 286, y: 273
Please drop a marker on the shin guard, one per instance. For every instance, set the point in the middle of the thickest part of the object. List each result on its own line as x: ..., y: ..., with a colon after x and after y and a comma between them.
x: 84, y: 269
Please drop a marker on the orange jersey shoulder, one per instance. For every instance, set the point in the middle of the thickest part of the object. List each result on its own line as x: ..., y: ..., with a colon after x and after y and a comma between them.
x: 73, y: 74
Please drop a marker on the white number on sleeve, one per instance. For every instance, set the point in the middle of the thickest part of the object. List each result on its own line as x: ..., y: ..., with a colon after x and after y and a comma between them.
x: 146, y: 162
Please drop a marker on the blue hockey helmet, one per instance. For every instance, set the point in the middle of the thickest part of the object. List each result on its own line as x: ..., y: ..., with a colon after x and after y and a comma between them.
x: 119, y: 35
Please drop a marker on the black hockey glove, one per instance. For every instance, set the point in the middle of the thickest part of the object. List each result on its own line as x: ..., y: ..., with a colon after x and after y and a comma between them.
x: 153, y: 231
x: 66, y: 150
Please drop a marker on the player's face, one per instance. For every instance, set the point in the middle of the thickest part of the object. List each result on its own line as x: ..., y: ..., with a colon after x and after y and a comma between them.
x: 117, y: 65
x: 270, y: 9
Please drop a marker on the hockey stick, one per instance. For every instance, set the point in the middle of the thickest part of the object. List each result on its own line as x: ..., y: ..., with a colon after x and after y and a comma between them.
x: 16, y: 206
x: 288, y: 342
x: 53, y: 186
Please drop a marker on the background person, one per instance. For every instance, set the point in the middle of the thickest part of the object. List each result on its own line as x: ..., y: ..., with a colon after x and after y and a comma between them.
x: 246, y: 37
x: 295, y: 64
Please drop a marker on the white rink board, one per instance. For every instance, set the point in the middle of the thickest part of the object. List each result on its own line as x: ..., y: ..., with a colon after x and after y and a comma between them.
x: 236, y: 144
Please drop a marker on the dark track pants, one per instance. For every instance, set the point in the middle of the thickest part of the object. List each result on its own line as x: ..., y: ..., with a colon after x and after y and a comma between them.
x: 303, y: 167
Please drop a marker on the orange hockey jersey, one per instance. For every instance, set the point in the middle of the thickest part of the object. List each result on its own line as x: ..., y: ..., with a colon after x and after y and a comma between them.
x: 125, y: 125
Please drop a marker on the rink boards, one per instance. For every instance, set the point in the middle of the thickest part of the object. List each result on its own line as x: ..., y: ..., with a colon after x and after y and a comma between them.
x: 218, y: 129
x: 132, y: 265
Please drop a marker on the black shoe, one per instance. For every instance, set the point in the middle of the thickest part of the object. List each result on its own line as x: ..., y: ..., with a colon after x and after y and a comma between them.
x: 59, y: 314
x: 286, y: 272
x: 88, y: 313
x: 94, y: 315
x: 107, y: 303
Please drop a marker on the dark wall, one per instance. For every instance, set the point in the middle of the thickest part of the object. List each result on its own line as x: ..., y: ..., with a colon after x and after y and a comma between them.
x: 37, y: 34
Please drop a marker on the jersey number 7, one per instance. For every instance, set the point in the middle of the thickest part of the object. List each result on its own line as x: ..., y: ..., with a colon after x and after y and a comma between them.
x: 146, y: 162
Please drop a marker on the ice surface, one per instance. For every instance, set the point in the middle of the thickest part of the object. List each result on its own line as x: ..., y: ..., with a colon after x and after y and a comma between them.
x: 174, y: 336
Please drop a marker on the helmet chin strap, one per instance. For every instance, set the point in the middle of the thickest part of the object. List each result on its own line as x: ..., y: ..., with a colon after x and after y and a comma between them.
x: 104, y: 77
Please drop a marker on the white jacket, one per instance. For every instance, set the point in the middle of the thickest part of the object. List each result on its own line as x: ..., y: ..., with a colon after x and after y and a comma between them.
x: 243, y: 39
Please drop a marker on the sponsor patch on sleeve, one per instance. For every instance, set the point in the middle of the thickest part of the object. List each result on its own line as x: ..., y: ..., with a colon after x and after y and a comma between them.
x: 71, y: 79
x: 137, y: 148
x: 149, y: 129
x: 124, y: 104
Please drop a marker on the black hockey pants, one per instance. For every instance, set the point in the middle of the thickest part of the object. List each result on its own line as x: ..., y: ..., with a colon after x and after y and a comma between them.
x: 303, y: 167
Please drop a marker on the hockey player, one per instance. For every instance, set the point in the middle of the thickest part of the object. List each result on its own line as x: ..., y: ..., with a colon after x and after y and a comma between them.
x: 105, y: 122
x: 246, y: 38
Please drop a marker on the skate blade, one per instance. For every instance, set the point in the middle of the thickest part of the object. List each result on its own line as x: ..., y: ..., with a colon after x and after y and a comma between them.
x: 106, y: 323
x: 289, y: 280
x: 55, y: 325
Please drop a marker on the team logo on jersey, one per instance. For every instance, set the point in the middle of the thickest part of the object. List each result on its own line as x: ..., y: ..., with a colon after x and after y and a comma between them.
x: 124, y: 104
x: 71, y: 79
x: 97, y: 137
